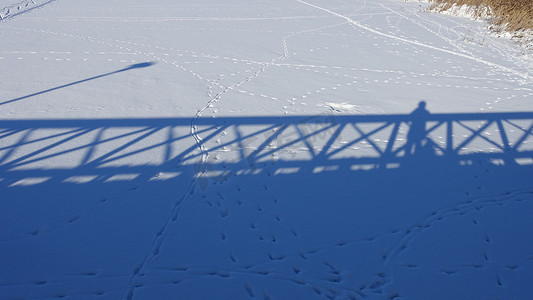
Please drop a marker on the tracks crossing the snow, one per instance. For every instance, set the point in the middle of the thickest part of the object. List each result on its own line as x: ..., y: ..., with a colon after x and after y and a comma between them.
x: 245, y: 180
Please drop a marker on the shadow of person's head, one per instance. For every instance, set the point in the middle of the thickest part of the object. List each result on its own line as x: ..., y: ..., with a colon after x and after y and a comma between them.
x: 421, y: 111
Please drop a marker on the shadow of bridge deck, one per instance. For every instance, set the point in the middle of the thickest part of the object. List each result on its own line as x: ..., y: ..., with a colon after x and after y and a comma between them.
x: 338, y: 176
x: 102, y: 148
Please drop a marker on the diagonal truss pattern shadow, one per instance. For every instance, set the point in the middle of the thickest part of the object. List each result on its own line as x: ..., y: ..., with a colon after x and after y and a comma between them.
x: 60, y: 150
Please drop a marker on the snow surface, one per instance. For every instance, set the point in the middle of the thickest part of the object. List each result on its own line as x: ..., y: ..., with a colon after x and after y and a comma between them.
x: 261, y: 149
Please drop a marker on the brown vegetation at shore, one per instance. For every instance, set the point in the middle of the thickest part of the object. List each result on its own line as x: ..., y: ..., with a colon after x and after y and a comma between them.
x: 509, y: 15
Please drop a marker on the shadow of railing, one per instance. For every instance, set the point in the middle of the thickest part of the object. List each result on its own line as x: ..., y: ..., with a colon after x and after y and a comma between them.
x: 100, y: 149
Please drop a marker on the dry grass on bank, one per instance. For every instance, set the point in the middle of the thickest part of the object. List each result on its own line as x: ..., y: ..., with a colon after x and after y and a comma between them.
x: 508, y: 15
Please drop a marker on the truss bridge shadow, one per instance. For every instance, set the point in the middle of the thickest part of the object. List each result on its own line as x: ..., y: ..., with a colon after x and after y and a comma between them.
x: 82, y: 151
x: 325, y: 185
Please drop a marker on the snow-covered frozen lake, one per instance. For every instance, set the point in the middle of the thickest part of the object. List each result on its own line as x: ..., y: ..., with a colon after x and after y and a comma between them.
x: 253, y: 149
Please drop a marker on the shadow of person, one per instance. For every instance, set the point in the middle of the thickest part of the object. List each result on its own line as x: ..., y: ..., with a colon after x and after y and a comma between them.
x: 416, y: 136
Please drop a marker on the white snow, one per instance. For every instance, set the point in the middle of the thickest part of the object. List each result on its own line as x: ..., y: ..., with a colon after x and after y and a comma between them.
x: 261, y: 149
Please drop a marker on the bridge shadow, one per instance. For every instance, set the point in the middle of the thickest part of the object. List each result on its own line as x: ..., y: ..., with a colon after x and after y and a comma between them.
x: 98, y: 151
x: 361, y: 175
x: 41, y: 158
x: 105, y: 147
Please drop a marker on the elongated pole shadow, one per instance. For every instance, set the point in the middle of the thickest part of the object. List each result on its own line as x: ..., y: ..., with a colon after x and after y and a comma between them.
x: 135, y: 66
